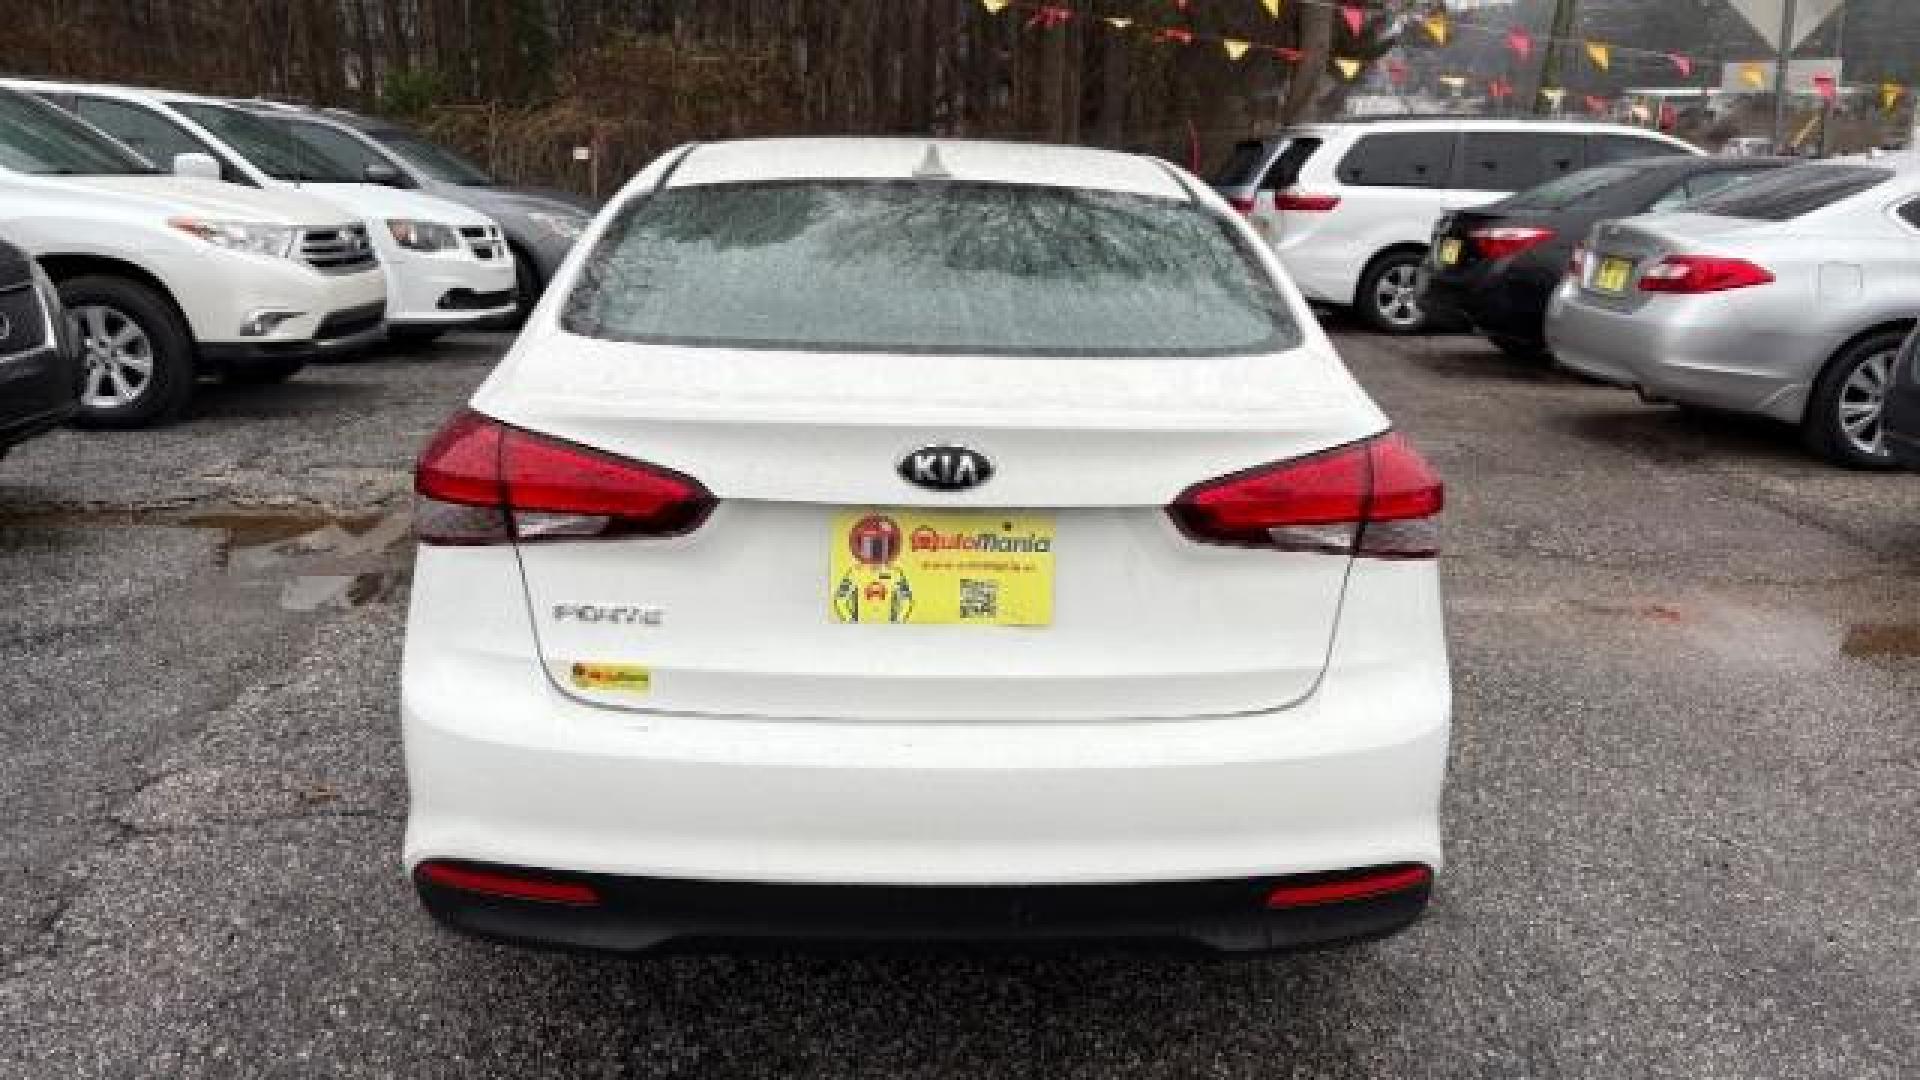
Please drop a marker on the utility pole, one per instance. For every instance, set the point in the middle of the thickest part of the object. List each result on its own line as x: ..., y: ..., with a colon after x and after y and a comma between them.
x: 1553, y: 61
x: 1782, y: 98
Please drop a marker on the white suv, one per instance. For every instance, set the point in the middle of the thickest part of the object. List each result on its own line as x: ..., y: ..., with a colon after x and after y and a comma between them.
x: 1350, y: 207
x: 878, y: 538
x: 169, y: 278
x: 448, y: 266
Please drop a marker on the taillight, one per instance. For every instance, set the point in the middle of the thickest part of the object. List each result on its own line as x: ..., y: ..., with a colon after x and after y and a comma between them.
x: 483, y: 482
x: 1376, y: 499
x: 1244, y: 206
x: 1498, y: 242
x: 1306, y: 203
x: 1701, y: 274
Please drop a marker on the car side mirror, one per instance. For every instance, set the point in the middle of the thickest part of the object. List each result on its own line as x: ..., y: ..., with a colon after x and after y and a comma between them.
x: 380, y: 173
x: 196, y: 166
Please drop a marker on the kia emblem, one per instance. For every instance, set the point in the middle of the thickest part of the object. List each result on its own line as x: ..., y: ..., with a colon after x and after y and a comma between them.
x: 946, y: 468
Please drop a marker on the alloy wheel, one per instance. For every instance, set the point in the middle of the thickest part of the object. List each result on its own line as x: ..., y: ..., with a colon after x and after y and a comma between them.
x: 1397, y: 296
x: 117, y: 355
x: 1863, y: 400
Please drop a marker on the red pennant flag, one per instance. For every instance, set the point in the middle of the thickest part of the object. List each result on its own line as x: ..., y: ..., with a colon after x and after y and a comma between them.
x: 1684, y: 63
x: 1356, y: 17
x: 1176, y: 33
x: 1596, y: 105
x: 1829, y: 89
x: 1500, y: 88
x: 1520, y: 42
x: 1291, y: 56
x: 1669, y: 118
x: 1397, y: 71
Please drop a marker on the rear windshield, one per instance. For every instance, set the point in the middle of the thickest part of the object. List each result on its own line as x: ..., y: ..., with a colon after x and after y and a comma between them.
x: 937, y: 267
x: 1791, y: 193
x: 1573, y: 187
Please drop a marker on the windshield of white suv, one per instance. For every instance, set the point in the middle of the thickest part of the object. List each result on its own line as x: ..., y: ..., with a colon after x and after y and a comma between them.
x: 938, y: 267
x: 269, y: 144
x: 433, y: 159
x: 39, y: 139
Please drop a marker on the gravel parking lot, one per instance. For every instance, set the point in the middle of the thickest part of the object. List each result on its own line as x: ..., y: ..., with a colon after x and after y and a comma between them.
x: 1683, y: 812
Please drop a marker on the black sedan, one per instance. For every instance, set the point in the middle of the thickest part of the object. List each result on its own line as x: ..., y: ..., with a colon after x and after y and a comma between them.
x: 1900, y: 420
x: 39, y: 372
x: 1495, y: 267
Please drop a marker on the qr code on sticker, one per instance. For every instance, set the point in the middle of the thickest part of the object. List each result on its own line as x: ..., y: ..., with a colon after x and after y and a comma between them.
x: 979, y: 599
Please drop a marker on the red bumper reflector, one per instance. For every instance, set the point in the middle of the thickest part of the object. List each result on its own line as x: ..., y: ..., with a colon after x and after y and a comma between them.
x: 1356, y: 887
x: 513, y: 886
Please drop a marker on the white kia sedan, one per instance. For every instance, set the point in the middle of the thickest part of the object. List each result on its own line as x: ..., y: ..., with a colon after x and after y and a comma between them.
x: 889, y: 540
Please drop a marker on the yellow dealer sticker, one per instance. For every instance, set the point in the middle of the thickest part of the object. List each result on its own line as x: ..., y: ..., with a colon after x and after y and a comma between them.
x: 612, y: 678
x: 913, y: 566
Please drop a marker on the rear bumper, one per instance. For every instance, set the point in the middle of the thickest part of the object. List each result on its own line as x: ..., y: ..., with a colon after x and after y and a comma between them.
x: 506, y: 770
x: 39, y: 390
x: 1497, y: 301
x: 1707, y: 350
x: 631, y: 915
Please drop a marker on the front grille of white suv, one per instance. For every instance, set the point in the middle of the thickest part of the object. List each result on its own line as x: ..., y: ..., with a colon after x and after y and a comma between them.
x: 344, y: 250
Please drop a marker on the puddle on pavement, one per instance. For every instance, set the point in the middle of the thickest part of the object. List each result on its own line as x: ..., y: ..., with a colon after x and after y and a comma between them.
x: 320, y: 561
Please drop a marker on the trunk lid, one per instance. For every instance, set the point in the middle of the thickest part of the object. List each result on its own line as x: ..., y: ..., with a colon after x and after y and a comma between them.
x: 742, y: 616
x: 1634, y: 244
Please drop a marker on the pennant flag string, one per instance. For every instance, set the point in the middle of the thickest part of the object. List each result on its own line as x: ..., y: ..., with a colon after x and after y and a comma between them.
x: 1440, y: 27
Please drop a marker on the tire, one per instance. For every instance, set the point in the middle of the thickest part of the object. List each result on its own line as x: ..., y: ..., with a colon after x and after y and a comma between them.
x: 264, y: 372
x: 1526, y: 352
x: 123, y: 326
x: 1844, y: 414
x: 414, y: 336
x: 526, y: 287
x: 1387, y: 301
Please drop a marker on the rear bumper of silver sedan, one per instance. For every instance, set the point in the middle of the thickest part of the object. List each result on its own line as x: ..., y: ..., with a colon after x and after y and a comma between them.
x: 1712, y: 350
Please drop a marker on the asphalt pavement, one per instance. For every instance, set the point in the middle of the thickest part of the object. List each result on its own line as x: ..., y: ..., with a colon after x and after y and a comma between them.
x: 1682, y: 817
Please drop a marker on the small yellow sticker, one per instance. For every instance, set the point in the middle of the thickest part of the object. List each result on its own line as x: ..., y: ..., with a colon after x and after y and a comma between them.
x: 613, y: 678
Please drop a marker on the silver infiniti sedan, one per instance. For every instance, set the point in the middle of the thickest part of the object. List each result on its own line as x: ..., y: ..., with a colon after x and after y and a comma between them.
x: 1788, y: 297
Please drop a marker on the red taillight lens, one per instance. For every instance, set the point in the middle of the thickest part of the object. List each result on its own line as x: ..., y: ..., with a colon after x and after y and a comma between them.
x: 1362, y: 885
x: 1306, y: 203
x: 515, y: 885
x: 482, y: 482
x: 1701, y: 274
x: 1244, y: 206
x: 1377, y: 498
x: 1498, y: 242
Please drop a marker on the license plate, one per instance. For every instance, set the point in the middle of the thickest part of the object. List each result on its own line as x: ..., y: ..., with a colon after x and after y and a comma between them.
x: 1449, y: 251
x: 941, y: 567
x: 1612, y: 275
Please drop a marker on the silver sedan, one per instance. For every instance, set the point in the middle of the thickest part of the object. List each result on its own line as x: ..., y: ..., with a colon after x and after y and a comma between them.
x: 1788, y: 297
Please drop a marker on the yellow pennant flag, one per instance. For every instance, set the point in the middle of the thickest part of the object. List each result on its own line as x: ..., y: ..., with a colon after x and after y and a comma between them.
x: 1753, y: 76
x: 1118, y: 23
x: 995, y: 7
x: 1236, y: 48
x: 1437, y: 27
x: 1554, y: 95
x: 1273, y: 7
x: 1348, y: 68
x: 1601, y: 54
x: 1890, y: 95
x: 1455, y: 83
